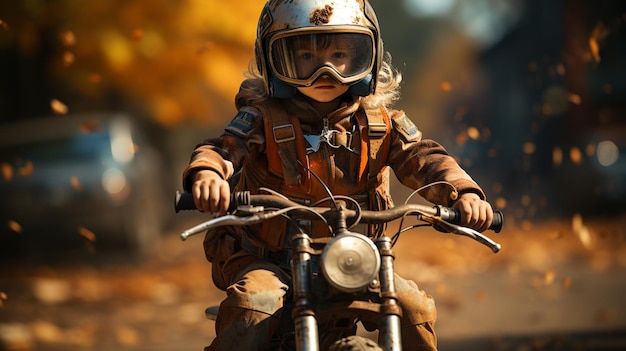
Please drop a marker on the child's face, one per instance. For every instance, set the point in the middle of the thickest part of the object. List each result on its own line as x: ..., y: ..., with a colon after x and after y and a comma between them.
x: 325, y: 89
x: 303, y: 59
x: 335, y: 53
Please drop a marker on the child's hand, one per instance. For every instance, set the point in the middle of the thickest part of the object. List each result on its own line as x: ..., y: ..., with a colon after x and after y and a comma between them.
x: 210, y: 192
x: 475, y: 213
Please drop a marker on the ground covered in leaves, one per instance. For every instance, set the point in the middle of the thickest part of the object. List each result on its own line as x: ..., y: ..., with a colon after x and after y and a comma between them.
x: 553, y: 281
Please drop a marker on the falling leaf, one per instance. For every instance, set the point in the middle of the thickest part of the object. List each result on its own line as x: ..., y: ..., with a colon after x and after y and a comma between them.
x: 525, y: 200
x: 68, y: 38
x: 206, y: 47
x: 595, y: 49
x: 14, y: 226
x: 599, y: 32
x: 529, y: 148
x: 567, y: 282
x: 546, y: 109
x: 473, y: 133
x: 87, y: 234
x: 460, y: 113
x: 581, y: 231
x: 527, y: 225
x: 557, y: 235
x: 3, y: 296
x: 127, y: 336
x: 574, y: 99
x: 90, y: 126
x: 95, y: 78
x: 76, y: 183
x: 497, y: 187
x: 461, y: 138
x: 47, y: 332
x: 51, y: 290
x: 590, y: 149
x: 27, y: 169
x: 576, y: 155
x: 500, y: 203
x: 549, y: 276
x: 557, y: 156
x: 4, y: 25
x: 7, y: 171
x: 58, y: 107
x: 445, y: 86
x: 481, y: 296
x: 137, y: 34
x: 605, y: 315
x: 68, y: 59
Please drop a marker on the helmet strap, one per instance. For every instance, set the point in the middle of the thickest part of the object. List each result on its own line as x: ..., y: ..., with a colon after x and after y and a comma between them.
x: 362, y: 87
x: 280, y: 89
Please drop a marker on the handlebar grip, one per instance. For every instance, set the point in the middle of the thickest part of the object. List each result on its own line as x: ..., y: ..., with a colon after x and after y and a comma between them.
x: 184, y: 202
x: 453, y: 215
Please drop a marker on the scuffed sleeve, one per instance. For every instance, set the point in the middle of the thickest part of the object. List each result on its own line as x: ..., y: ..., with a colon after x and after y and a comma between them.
x: 418, y: 162
x: 241, y: 139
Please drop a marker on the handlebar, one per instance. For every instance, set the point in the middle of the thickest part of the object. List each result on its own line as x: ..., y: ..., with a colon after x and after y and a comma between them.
x: 184, y: 202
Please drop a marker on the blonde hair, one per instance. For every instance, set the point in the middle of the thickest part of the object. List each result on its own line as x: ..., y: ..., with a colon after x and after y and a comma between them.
x: 387, y: 87
x: 253, y: 90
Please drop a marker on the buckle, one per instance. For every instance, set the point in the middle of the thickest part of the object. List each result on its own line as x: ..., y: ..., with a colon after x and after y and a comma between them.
x: 284, y: 133
x: 376, y: 130
x: 332, y: 138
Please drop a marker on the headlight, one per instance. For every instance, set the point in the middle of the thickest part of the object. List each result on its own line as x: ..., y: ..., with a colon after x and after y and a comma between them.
x: 350, y: 262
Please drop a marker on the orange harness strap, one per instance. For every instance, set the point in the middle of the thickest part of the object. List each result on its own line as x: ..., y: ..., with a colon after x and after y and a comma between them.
x: 375, y: 130
x: 283, y: 138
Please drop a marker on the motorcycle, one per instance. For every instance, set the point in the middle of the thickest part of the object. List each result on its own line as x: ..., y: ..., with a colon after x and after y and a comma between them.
x: 334, y: 276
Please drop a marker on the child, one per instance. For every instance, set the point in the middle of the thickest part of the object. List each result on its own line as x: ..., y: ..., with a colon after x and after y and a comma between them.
x: 320, y: 102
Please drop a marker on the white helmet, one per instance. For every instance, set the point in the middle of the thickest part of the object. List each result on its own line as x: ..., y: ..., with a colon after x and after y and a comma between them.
x: 300, y: 40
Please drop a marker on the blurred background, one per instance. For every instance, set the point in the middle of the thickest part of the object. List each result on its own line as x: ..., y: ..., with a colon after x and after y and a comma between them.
x: 101, y: 103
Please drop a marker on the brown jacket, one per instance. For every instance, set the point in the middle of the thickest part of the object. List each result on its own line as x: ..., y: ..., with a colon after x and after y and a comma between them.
x: 415, y: 162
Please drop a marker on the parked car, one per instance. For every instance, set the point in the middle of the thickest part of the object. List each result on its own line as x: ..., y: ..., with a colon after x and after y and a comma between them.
x: 92, y: 180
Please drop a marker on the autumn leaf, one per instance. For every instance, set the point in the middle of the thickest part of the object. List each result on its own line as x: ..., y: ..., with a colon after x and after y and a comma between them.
x: 599, y: 32
x: 445, y: 86
x: 76, y: 183
x: 581, y: 231
x: 58, y: 107
x: 576, y: 155
x: 68, y: 59
x: 7, y: 171
x: 68, y: 38
x: 87, y: 234
x: 14, y: 226
x: 27, y: 169
x: 473, y: 133
x: 567, y: 282
x: 90, y: 126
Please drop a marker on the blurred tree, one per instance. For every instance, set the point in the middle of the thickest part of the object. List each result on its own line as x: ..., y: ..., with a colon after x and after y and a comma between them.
x: 175, y: 59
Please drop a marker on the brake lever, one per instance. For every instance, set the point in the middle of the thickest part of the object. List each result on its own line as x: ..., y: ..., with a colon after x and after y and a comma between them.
x: 460, y: 230
x: 221, y: 221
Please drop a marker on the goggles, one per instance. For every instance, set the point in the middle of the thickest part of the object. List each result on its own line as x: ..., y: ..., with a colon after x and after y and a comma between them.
x: 300, y: 57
